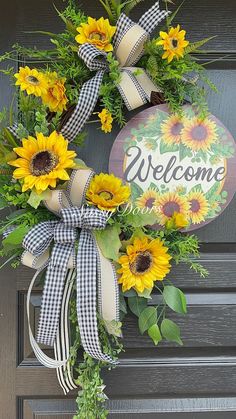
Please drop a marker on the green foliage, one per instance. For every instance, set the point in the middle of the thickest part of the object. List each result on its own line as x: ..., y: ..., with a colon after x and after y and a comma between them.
x: 175, y: 299
x: 171, y: 331
x: 147, y: 318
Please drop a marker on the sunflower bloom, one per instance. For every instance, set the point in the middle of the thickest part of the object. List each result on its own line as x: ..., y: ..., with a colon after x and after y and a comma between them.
x: 199, y: 207
x: 96, y: 32
x: 107, y: 192
x: 169, y: 203
x: 42, y: 160
x: 177, y: 221
x: 171, y: 129
x: 199, y: 134
x: 145, y: 261
x: 32, y: 81
x: 174, y: 43
x: 106, y: 120
x: 147, y: 199
x: 55, y: 96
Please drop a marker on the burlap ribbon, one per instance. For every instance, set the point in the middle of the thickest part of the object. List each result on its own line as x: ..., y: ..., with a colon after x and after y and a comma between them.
x: 96, y: 282
x: 135, y: 86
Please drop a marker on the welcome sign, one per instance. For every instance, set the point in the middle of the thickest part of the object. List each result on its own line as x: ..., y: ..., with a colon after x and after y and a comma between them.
x: 176, y: 163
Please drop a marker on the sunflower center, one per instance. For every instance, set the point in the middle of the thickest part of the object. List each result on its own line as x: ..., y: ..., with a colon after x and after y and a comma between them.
x: 43, y: 163
x: 106, y: 195
x: 142, y: 263
x: 150, y: 202
x: 177, y: 128
x: 199, y: 133
x: 194, y: 205
x: 32, y: 80
x: 169, y: 208
x: 97, y: 36
x: 174, y: 43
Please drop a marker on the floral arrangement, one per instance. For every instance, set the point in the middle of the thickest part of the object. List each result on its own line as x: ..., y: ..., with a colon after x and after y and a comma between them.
x: 67, y: 221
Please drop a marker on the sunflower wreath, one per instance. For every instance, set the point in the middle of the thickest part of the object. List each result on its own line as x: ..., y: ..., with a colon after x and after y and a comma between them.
x: 94, y: 258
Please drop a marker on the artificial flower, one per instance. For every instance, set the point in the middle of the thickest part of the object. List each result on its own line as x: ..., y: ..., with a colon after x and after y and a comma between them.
x: 177, y: 221
x: 145, y: 261
x: 169, y: 203
x: 96, y: 32
x: 199, y: 207
x: 42, y: 160
x: 199, y: 134
x: 147, y: 199
x: 171, y: 129
x: 174, y: 43
x: 106, y: 120
x: 107, y: 192
x: 33, y: 81
x: 55, y: 96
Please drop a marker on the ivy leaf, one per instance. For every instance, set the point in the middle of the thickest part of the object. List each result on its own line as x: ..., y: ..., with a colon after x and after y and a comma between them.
x: 171, y: 331
x: 147, y: 318
x: 137, y: 305
x: 109, y: 241
x: 15, y: 238
x: 175, y: 299
x: 113, y: 327
x: 35, y: 199
x: 155, y: 334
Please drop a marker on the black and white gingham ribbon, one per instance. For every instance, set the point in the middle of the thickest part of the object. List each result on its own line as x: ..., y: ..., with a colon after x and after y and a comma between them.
x: 63, y: 233
x: 90, y: 90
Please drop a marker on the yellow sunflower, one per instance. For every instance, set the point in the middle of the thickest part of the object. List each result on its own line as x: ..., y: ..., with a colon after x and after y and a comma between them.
x: 55, y: 96
x: 107, y: 192
x: 96, y: 32
x: 106, y: 120
x: 199, y: 134
x: 174, y: 43
x: 169, y: 203
x: 145, y: 261
x: 42, y: 161
x: 177, y: 221
x: 199, y: 207
x: 171, y: 129
x: 33, y: 81
x: 147, y: 199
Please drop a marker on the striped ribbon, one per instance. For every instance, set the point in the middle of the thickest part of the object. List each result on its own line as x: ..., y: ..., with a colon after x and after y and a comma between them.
x: 95, y: 276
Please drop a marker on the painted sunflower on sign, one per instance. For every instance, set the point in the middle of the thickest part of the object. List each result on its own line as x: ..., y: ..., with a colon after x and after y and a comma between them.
x: 171, y: 129
x: 170, y: 203
x: 199, y: 207
x: 42, y: 161
x: 145, y: 261
x: 147, y: 199
x: 199, y: 134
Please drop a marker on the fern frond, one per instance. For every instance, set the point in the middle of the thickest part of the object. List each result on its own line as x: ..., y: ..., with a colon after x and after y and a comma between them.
x: 194, y: 47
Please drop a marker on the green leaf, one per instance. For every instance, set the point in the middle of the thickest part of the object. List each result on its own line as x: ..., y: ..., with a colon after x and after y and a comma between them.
x: 193, y: 47
x: 123, y: 306
x: 171, y: 331
x: 80, y: 164
x: 146, y: 293
x: 109, y: 241
x: 212, y: 192
x: 113, y: 327
x: 35, y: 199
x: 140, y: 220
x: 147, y: 318
x: 137, y: 305
x: 155, y: 334
x: 175, y: 299
x: 15, y: 238
x: 136, y: 191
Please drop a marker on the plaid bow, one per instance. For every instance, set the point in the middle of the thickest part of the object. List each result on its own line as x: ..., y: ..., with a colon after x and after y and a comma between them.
x: 63, y: 234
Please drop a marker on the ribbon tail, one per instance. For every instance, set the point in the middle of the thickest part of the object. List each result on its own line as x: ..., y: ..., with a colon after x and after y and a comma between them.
x: 86, y: 103
x: 150, y: 19
x: 53, y: 293
x: 87, y: 296
x: 135, y: 87
x: 62, y: 344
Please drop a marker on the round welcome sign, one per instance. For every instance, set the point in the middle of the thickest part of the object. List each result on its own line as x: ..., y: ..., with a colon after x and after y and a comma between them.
x: 175, y: 163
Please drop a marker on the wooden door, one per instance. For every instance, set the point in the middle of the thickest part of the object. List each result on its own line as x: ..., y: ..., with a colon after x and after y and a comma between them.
x: 191, y: 382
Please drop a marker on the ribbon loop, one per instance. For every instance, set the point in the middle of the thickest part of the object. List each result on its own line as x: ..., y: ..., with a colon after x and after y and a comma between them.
x: 39, y: 238
x: 64, y: 234
x: 89, y: 54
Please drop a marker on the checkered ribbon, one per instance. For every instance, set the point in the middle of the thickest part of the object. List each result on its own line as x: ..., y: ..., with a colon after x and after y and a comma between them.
x: 62, y: 234
x: 135, y: 86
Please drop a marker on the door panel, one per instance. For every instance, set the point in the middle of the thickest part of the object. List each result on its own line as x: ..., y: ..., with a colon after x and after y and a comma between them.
x: 195, y: 381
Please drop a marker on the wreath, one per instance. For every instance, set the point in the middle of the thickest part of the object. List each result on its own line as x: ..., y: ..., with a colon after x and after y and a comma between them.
x: 95, y: 259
